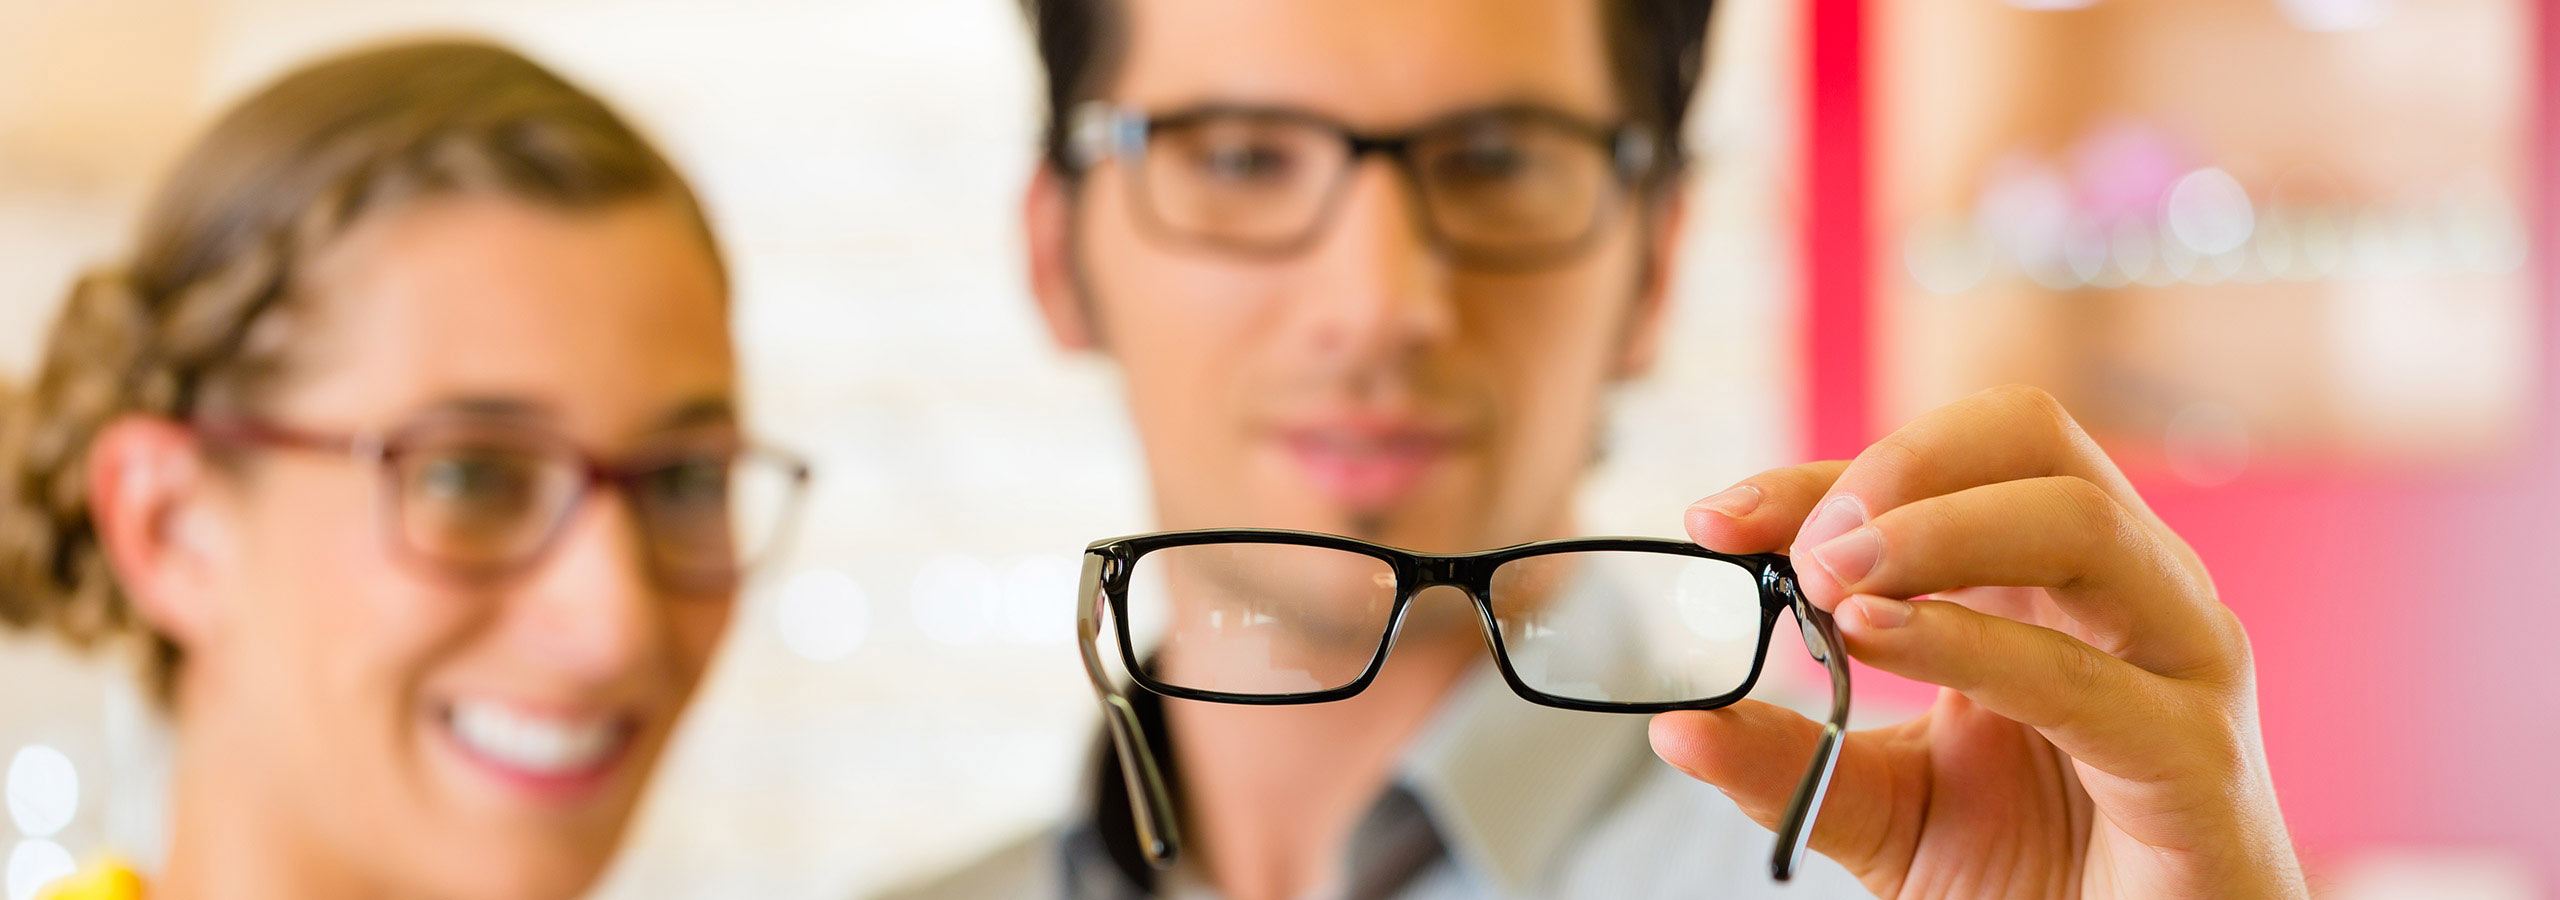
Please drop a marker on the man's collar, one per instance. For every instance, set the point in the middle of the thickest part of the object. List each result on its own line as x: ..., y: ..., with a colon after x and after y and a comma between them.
x: 1510, y: 783
x: 1506, y: 783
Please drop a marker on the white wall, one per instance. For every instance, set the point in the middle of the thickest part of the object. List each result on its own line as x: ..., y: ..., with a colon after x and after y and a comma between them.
x: 862, y: 158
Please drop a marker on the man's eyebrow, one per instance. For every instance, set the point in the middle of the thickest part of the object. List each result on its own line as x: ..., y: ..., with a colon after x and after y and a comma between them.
x: 1508, y: 104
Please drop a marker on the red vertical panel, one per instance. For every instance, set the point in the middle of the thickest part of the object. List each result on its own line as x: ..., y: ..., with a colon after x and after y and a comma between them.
x: 1837, y: 352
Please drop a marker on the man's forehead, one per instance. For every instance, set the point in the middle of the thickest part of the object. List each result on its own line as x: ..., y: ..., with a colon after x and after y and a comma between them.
x: 1376, y: 63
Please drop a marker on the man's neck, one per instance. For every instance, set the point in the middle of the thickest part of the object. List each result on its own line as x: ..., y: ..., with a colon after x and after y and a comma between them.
x: 1270, y: 793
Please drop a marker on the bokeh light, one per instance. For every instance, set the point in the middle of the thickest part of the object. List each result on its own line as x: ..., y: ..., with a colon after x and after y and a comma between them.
x: 43, y: 790
x: 35, y: 863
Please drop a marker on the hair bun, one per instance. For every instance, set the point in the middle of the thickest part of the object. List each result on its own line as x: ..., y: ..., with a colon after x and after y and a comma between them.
x: 52, y: 572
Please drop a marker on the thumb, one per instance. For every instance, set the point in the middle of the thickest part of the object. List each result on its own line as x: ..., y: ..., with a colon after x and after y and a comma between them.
x: 1755, y: 752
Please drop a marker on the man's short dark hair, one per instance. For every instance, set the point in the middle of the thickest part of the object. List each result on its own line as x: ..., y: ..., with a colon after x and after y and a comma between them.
x: 1657, y: 49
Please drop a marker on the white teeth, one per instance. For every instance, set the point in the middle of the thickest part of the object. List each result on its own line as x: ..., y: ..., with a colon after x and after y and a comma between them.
x: 540, y: 745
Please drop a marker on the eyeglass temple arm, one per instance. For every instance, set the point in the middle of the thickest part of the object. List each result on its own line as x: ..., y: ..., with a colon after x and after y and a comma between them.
x: 1150, y: 803
x: 1795, y: 832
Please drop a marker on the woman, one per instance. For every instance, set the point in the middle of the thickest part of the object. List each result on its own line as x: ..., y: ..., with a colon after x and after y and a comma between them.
x: 404, y: 445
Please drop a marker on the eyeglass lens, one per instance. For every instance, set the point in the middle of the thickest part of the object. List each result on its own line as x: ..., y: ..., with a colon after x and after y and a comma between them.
x: 482, y: 501
x: 1492, y: 185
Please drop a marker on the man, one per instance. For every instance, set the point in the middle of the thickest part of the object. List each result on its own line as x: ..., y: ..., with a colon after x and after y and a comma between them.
x: 1274, y: 215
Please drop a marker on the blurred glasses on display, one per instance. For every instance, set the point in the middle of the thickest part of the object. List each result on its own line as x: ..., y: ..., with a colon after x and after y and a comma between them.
x: 1623, y: 625
x: 1508, y: 187
x: 479, y: 501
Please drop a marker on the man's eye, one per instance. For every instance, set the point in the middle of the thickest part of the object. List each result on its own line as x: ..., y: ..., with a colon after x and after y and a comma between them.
x: 1486, y: 162
x: 1244, y: 162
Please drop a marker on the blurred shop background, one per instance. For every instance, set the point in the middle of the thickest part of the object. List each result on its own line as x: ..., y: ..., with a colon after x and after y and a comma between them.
x: 2286, y: 258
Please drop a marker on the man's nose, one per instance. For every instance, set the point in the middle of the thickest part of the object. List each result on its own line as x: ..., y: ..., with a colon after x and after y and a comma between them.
x: 593, y: 609
x: 1377, y: 286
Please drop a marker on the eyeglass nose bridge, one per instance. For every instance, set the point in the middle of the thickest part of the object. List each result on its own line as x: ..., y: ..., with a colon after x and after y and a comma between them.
x: 1416, y: 200
x: 1469, y: 574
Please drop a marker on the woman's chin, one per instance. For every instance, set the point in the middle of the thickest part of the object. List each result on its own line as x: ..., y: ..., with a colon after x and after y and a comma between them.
x: 532, y: 806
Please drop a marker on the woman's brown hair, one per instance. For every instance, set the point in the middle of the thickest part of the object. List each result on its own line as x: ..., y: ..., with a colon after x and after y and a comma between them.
x: 198, y: 318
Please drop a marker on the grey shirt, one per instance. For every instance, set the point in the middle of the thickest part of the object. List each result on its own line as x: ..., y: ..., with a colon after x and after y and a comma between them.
x: 1497, y: 798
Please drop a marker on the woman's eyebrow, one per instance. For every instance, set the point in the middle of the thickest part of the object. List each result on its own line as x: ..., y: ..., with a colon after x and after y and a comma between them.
x: 706, y: 410
x: 490, y: 407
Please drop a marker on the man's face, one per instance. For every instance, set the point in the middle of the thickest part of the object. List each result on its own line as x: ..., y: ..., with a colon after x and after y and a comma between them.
x: 1367, y: 384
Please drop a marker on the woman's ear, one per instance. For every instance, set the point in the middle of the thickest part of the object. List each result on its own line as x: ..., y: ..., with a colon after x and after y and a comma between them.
x: 148, y: 501
x: 1048, y: 230
x: 1666, y: 223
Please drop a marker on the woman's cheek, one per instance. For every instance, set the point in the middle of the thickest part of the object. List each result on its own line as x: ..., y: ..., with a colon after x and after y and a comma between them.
x: 699, y: 627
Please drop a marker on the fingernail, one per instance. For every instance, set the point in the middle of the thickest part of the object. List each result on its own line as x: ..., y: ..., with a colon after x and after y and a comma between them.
x: 1851, y: 556
x: 1882, y: 612
x: 1834, y: 519
x: 1830, y: 520
x: 1733, y: 502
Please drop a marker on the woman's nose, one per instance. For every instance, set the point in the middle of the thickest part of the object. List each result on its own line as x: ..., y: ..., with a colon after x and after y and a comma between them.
x: 593, y: 607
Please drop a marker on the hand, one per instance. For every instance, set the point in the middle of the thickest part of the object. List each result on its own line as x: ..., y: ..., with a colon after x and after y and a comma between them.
x: 2096, y: 734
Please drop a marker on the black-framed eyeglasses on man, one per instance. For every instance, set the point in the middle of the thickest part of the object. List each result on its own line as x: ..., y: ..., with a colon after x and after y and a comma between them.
x: 1267, y: 617
x: 1514, y: 186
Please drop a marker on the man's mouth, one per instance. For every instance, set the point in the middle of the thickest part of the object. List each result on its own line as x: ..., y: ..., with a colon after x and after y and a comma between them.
x: 1367, y: 469
x: 547, y: 755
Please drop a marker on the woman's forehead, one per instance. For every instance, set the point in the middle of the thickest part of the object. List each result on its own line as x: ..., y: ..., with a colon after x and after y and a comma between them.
x: 606, y: 319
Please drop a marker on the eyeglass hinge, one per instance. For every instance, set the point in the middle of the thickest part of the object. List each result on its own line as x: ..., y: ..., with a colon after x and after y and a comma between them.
x: 1635, y: 151
x: 1779, y: 582
x: 1097, y: 131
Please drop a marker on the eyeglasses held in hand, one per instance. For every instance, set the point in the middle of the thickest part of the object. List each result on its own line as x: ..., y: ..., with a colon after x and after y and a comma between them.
x: 1624, y: 625
x: 479, y: 501
x: 1508, y: 187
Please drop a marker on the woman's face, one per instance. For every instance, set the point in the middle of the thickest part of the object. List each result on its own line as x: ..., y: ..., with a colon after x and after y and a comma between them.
x: 481, y: 737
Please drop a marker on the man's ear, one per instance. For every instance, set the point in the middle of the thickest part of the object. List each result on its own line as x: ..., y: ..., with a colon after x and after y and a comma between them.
x: 1048, y: 229
x: 148, y: 501
x: 1668, y: 218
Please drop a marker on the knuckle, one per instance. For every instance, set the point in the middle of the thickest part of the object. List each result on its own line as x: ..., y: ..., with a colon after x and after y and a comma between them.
x: 2037, y: 412
x: 2236, y: 658
x: 1901, y: 458
x: 2089, y: 506
x: 2079, y: 669
x: 2215, y: 742
x: 2031, y: 401
x: 1977, y: 640
x: 2096, y: 522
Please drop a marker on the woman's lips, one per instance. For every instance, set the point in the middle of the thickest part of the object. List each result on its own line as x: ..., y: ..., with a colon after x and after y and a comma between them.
x: 548, y: 757
x: 1366, y: 470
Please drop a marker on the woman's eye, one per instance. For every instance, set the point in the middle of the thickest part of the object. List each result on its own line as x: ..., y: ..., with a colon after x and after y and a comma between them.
x: 483, y: 483
x: 692, y: 483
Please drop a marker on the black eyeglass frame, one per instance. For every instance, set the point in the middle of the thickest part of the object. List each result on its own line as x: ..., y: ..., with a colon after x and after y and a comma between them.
x: 1108, y: 565
x: 383, y: 452
x: 1098, y: 131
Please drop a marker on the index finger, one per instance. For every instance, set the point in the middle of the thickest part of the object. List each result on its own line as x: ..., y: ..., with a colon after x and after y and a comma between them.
x: 2000, y: 435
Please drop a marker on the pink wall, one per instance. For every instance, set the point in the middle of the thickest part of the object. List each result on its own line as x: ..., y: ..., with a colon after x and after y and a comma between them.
x: 2407, y: 624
